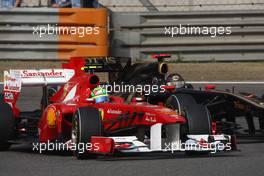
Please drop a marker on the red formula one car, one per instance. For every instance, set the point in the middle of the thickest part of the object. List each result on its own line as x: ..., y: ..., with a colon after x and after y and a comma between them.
x: 88, y: 121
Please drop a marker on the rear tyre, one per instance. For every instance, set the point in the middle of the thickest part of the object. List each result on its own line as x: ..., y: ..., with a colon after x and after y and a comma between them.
x: 86, y: 123
x: 6, y: 124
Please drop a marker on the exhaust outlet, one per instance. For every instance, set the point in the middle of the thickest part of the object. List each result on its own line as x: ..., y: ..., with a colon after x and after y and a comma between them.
x: 163, y: 68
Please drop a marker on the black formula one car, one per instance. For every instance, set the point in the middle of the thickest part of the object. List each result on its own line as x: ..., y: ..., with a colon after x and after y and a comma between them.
x: 204, y: 109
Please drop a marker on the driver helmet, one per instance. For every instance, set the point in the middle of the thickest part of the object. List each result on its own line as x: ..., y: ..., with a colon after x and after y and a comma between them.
x: 100, y: 95
x: 175, y: 80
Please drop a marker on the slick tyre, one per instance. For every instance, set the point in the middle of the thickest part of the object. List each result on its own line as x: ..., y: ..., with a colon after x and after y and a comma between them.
x: 6, y: 124
x: 197, y: 115
x: 85, y: 124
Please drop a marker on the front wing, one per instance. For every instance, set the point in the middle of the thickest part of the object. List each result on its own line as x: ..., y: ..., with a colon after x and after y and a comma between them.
x: 172, y: 143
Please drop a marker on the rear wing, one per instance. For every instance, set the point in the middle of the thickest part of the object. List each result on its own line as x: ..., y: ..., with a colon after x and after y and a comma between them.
x: 160, y: 57
x: 98, y: 64
x: 114, y: 66
x: 15, y: 79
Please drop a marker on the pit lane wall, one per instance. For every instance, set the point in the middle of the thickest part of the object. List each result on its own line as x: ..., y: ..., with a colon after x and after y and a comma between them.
x: 137, y: 34
x: 145, y: 33
x: 68, y: 32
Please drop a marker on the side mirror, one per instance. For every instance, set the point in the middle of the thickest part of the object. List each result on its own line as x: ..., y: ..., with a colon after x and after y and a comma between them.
x: 90, y: 100
x: 137, y: 99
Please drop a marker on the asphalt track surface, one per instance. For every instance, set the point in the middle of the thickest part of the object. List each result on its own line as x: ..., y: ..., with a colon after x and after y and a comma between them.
x: 22, y: 161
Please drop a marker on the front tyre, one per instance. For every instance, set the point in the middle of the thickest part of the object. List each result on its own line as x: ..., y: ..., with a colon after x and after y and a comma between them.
x: 198, y: 117
x: 85, y: 124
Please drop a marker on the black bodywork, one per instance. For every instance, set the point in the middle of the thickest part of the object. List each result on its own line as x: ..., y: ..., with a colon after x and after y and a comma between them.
x: 224, y: 106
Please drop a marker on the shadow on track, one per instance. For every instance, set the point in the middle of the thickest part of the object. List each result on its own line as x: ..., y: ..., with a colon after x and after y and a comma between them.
x: 122, y: 156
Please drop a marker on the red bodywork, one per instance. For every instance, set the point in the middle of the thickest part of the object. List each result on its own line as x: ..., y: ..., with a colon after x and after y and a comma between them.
x: 76, y: 93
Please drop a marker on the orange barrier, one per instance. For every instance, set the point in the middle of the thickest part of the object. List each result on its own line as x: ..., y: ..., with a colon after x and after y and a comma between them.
x: 67, y: 51
x: 83, y: 16
x: 83, y: 32
x: 99, y: 39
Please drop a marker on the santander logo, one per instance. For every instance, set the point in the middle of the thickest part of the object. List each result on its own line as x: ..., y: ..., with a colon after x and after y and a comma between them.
x: 45, y: 73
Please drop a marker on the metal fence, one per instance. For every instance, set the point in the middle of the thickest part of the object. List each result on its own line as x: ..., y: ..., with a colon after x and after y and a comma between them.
x: 26, y: 3
x: 140, y: 34
x: 181, y: 5
x: 135, y: 34
x: 48, y: 3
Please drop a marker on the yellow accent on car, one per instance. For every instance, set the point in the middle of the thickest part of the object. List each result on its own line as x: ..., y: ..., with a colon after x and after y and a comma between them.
x: 102, y: 113
x: 92, y: 67
x: 51, y: 117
